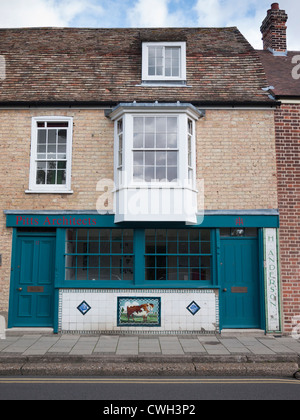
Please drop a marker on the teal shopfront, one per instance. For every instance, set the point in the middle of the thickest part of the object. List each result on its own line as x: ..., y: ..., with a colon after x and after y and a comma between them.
x: 79, y: 271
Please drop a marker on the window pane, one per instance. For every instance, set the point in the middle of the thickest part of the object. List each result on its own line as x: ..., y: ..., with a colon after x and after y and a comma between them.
x: 172, y: 174
x: 150, y: 158
x: 61, y: 177
x: 161, y: 141
x: 138, y: 141
x: 62, y: 136
x: 138, y: 158
x: 138, y: 126
x: 172, y: 141
x: 161, y: 158
x: 42, y: 136
x: 51, y: 136
x: 150, y: 125
x: 160, y: 174
x: 41, y: 173
x: 149, y: 141
x: 149, y: 173
x: 172, y: 159
x: 161, y: 125
x: 138, y: 173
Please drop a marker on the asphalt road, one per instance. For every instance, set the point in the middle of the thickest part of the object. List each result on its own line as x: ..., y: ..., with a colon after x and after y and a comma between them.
x: 152, y: 390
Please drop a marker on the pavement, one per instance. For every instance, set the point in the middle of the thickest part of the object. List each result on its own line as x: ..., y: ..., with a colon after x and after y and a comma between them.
x: 46, y: 354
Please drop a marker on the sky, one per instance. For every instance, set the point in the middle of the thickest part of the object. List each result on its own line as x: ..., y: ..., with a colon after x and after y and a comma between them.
x: 247, y: 15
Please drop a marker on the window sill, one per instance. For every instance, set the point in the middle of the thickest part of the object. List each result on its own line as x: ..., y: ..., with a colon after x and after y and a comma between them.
x: 48, y: 192
x: 162, y: 83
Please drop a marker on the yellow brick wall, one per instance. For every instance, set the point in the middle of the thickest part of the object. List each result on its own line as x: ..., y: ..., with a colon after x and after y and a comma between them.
x: 235, y: 156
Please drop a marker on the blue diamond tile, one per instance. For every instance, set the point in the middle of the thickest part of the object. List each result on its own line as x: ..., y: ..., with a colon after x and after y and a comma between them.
x: 193, y: 308
x: 84, y: 307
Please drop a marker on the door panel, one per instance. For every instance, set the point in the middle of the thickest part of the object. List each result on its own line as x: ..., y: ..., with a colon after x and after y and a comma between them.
x: 33, y: 285
x: 240, y: 283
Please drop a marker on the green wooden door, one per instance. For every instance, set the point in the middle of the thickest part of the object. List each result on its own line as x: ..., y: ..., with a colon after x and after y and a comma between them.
x: 240, y: 296
x: 33, y: 285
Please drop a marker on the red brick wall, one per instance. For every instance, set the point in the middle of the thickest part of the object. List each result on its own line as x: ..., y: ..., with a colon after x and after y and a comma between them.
x: 287, y: 122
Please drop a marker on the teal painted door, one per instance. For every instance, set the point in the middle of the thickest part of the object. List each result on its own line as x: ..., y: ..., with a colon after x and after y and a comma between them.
x: 33, y: 299
x: 240, y: 296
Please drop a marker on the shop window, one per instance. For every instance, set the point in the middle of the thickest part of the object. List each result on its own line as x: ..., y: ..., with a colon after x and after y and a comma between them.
x: 99, y: 254
x: 178, y: 255
x: 51, y: 150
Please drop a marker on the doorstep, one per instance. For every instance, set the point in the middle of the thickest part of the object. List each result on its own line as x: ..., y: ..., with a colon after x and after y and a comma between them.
x: 28, y: 330
x: 242, y: 333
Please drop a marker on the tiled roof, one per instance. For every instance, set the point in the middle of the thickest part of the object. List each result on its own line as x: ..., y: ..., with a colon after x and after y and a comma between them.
x: 279, y: 72
x: 104, y: 66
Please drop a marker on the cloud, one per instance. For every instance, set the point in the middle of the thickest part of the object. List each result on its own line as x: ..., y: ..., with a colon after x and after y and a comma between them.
x: 41, y: 13
x: 247, y: 16
x: 153, y: 13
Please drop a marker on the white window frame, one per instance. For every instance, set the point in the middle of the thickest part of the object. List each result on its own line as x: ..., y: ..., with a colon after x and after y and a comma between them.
x: 38, y: 188
x: 145, y: 61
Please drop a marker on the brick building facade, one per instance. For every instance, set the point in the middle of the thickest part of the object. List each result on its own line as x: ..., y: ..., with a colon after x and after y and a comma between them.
x: 145, y: 118
x: 287, y: 123
x: 284, y: 76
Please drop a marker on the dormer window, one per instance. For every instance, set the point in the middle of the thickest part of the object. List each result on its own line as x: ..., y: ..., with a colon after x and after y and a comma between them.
x: 164, y: 61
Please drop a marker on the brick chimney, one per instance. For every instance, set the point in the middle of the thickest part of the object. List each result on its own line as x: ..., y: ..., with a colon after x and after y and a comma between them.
x: 273, y: 30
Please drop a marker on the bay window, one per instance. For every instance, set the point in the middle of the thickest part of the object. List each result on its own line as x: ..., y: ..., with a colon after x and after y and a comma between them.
x: 155, y: 162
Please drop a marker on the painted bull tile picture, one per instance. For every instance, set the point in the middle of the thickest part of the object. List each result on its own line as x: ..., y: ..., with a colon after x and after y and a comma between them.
x: 139, y: 312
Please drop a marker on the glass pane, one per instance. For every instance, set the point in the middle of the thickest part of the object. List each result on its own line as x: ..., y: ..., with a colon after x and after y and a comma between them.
x: 150, y: 125
x: 159, y: 71
x: 93, y: 274
x: 161, y: 141
x: 151, y: 71
x: 161, y: 125
x: 70, y: 273
x: 172, y: 141
x: 205, y: 247
x: 94, y: 261
x: 138, y: 158
x: 160, y: 174
x: 138, y: 173
x: 172, y: 158
x: 150, y: 158
x: 82, y: 234
x: 149, y: 173
x: 138, y: 141
x: 62, y: 136
x: 138, y: 124
x: 61, y: 177
x: 161, y: 158
x: 149, y: 141
x: 51, y: 136
x: 172, y: 125
x: 172, y: 174
x: 51, y: 177
x: 117, y: 235
x: 41, y: 137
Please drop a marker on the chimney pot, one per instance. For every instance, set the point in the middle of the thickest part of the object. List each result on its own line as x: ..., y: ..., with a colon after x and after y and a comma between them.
x: 275, y: 6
